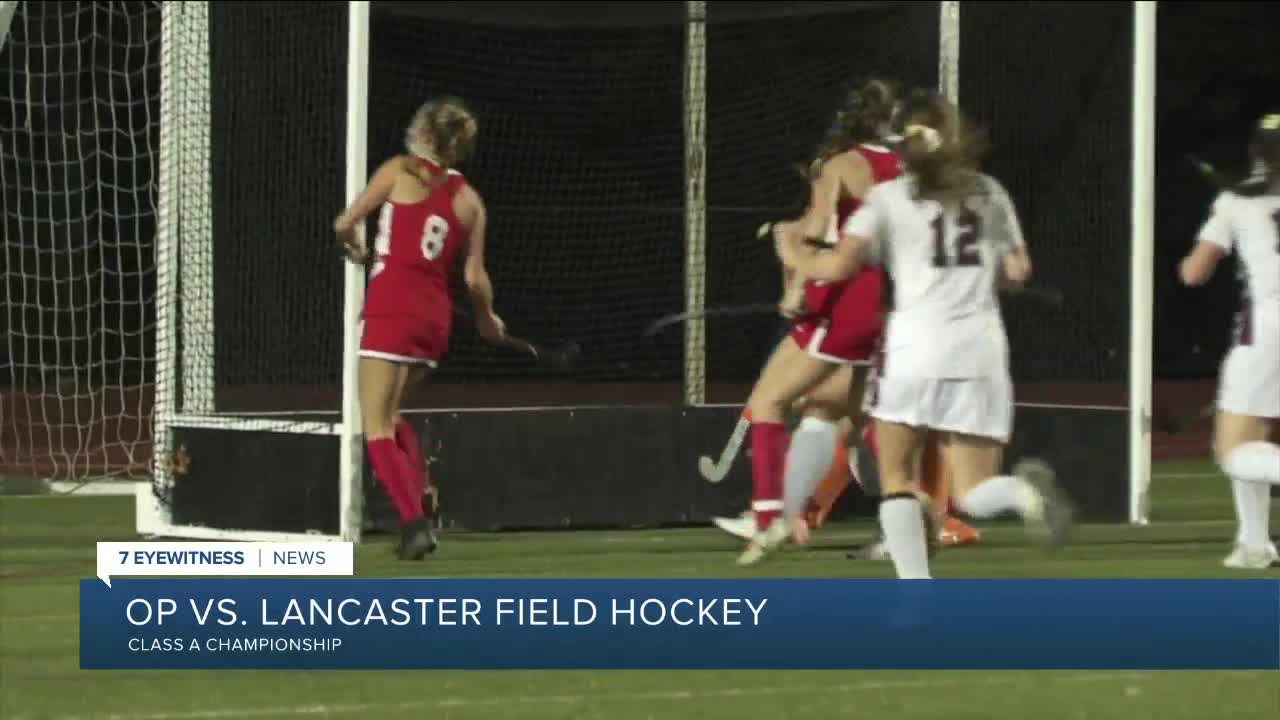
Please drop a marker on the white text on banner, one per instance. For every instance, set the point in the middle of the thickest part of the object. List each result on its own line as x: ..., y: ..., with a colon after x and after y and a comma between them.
x: 223, y: 558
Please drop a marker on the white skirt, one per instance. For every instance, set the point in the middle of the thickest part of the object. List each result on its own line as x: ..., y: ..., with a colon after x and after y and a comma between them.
x: 969, y: 406
x: 1250, y: 380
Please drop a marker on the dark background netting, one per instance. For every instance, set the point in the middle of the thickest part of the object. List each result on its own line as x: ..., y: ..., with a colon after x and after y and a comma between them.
x: 1218, y: 70
x: 772, y: 88
x: 1051, y: 81
x: 278, y: 127
x: 581, y: 161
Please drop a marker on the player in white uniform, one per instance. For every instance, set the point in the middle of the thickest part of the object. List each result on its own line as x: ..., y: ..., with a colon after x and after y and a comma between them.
x: 947, y: 234
x: 1246, y: 220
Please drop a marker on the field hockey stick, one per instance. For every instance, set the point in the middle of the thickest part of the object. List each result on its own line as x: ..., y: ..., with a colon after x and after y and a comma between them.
x: 562, y: 356
x: 1166, y: 422
x: 727, y: 311
x: 713, y: 471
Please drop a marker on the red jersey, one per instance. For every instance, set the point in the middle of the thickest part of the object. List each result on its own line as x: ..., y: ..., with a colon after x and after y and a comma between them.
x: 885, y: 166
x: 416, y: 247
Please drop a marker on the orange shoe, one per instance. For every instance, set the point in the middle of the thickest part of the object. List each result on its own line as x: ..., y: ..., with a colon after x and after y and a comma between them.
x: 956, y: 532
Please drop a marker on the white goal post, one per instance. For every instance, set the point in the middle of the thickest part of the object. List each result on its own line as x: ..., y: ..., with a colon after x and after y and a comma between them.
x: 184, y: 250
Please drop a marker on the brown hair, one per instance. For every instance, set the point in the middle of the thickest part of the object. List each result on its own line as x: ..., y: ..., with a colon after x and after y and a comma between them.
x: 940, y: 147
x: 864, y: 115
x: 444, y: 129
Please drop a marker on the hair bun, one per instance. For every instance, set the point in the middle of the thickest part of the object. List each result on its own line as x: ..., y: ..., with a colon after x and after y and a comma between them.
x: 931, y: 138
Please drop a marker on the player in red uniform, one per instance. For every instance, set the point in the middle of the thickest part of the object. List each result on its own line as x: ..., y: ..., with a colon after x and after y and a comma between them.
x: 825, y: 360
x: 836, y: 323
x: 429, y: 216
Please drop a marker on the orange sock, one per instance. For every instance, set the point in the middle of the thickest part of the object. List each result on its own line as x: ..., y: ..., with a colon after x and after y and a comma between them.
x: 936, y: 481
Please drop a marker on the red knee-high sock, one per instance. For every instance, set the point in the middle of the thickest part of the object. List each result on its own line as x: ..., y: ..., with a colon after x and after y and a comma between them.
x: 407, y: 441
x: 768, y: 452
x: 393, y: 471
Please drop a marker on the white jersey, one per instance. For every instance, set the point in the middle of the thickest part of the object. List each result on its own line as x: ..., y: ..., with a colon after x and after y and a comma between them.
x: 1250, y: 227
x: 944, y: 263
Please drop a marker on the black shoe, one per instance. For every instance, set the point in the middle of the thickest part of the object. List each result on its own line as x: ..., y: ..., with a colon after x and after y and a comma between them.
x: 416, y: 540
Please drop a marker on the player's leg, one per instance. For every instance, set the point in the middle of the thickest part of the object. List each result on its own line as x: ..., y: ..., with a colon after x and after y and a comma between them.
x: 416, y: 539
x: 814, y: 444
x: 379, y: 381
x: 935, y: 480
x: 833, y: 484
x: 406, y: 438
x: 790, y: 373
x: 861, y: 382
x: 1248, y: 405
x: 980, y: 492
x: 902, y: 518
x: 976, y: 419
x: 1252, y: 463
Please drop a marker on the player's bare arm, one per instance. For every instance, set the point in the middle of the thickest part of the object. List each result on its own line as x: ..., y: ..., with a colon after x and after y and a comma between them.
x: 842, y: 262
x: 373, y: 196
x: 1198, y: 266
x: 845, y: 175
x: 479, y: 287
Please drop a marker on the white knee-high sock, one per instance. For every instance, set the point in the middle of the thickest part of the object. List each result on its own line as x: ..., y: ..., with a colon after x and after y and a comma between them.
x: 1260, y: 505
x: 903, y: 526
x: 997, y: 495
x: 1240, y: 497
x: 1255, y: 462
x: 1253, y: 468
x: 813, y: 444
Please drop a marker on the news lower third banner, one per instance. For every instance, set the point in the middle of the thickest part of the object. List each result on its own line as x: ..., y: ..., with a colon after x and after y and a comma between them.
x: 327, y: 623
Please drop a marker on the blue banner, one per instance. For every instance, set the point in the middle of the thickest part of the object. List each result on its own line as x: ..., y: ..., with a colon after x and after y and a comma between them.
x: 680, y: 624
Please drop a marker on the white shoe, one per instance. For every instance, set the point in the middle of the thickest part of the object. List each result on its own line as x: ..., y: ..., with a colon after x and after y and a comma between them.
x: 1049, y: 512
x: 763, y: 542
x: 743, y: 526
x: 1246, y: 558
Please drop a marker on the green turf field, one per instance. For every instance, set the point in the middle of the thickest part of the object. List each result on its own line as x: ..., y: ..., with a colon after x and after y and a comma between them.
x: 46, y: 545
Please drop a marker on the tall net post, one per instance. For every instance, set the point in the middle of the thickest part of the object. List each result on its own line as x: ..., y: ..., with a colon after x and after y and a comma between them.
x: 1142, y: 268
x: 195, y: 186
x: 949, y: 50
x: 184, y: 362
x: 152, y: 510
x: 351, y: 451
x: 249, y: 299
x: 695, y: 270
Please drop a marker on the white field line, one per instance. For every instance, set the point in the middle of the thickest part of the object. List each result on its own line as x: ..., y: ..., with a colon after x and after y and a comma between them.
x: 323, y: 710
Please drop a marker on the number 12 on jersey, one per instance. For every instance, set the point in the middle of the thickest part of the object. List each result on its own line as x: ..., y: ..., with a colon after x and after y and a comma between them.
x: 966, y: 232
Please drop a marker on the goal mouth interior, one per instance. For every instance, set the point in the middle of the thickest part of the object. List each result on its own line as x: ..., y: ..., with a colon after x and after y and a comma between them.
x: 626, y: 157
